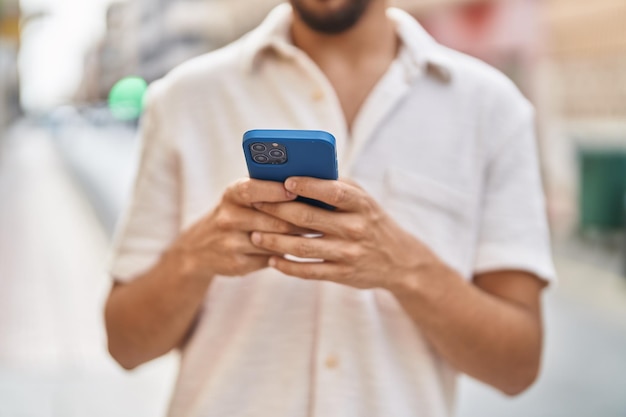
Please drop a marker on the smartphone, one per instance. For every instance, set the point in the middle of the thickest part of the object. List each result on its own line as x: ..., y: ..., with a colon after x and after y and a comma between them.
x: 276, y: 155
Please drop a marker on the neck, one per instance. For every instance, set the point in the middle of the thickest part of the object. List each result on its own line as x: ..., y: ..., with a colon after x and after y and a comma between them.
x: 372, y: 35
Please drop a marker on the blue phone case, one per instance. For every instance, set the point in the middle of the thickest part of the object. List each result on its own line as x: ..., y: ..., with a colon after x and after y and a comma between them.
x: 307, y: 153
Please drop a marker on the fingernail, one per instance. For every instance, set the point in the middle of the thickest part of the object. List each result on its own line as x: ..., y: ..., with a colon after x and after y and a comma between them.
x: 272, y: 262
x: 257, y: 205
x: 290, y: 184
x: 255, y: 238
x: 291, y: 195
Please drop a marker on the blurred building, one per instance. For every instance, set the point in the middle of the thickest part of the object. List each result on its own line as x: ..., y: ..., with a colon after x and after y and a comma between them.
x: 9, y: 43
x: 585, y: 77
x: 115, y: 56
x: 172, y: 31
x: 589, y: 51
x: 147, y: 38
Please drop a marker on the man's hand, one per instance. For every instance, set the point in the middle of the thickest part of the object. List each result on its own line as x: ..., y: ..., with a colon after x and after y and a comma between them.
x: 491, y: 330
x: 154, y: 313
x: 220, y: 242
x: 361, y: 245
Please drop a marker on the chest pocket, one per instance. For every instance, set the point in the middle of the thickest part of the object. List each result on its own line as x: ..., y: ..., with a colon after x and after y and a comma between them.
x: 438, y: 215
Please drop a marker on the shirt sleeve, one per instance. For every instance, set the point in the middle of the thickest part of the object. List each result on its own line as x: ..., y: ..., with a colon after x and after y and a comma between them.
x: 514, y: 233
x: 151, y: 220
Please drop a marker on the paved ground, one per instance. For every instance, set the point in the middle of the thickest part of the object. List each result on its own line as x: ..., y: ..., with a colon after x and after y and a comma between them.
x: 53, y: 360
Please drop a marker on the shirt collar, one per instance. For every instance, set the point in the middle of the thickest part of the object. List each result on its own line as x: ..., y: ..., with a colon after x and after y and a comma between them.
x: 420, y: 52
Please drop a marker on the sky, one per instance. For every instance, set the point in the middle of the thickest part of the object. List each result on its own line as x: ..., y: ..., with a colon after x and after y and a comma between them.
x: 53, y: 48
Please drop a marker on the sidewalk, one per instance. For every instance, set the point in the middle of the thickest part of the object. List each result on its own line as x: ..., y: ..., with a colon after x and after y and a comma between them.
x: 592, y: 270
x: 53, y: 358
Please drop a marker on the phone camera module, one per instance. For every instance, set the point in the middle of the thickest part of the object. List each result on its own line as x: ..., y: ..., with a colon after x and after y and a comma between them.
x: 277, y: 153
x: 258, y: 147
x: 261, y: 159
x: 268, y: 153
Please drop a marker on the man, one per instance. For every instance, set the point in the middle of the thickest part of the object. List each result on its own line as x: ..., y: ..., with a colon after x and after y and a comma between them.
x: 434, y: 260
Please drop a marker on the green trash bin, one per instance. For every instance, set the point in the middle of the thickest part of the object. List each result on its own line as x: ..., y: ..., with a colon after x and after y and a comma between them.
x: 602, y: 188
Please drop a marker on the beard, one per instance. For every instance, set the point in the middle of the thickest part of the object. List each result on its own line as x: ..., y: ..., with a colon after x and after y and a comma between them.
x: 333, y: 21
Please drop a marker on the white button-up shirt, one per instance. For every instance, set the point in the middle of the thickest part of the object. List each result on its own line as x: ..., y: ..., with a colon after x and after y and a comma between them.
x: 443, y: 141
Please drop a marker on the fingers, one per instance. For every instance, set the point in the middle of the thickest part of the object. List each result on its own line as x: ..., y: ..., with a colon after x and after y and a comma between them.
x: 247, y: 191
x: 256, y: 262
x: 346, y: 225
x: 245, y: 264
x: 340, y: 194
x: 240, y: 243
x: 248, y: 220
x: 303, y: 247
x: 325, y: 271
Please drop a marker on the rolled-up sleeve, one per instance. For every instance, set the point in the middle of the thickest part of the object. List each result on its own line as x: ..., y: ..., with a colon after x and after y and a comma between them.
x: 151, y: 221
x: 514, y: 233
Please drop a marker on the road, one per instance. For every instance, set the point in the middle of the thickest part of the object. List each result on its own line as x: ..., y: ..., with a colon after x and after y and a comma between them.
x: 59, y: 199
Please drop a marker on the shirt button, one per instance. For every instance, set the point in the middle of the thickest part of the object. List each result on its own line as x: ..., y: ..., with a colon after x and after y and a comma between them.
x: 332, y: 362
x: 318, y: 95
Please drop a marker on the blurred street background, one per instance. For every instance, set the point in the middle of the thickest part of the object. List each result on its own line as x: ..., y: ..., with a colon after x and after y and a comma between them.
x: 72, y: 77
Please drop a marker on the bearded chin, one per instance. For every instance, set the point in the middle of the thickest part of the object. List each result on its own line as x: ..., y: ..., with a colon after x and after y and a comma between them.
x: 333, y: 22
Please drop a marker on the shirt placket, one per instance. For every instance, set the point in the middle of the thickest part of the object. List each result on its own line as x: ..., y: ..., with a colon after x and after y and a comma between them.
x: 327, y: 107
x: 326, y: 361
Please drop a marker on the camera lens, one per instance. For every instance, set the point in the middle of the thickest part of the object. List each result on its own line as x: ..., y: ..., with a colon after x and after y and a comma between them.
x: 277, y: 153
x: 261, y: 159
x: 258, y: 147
